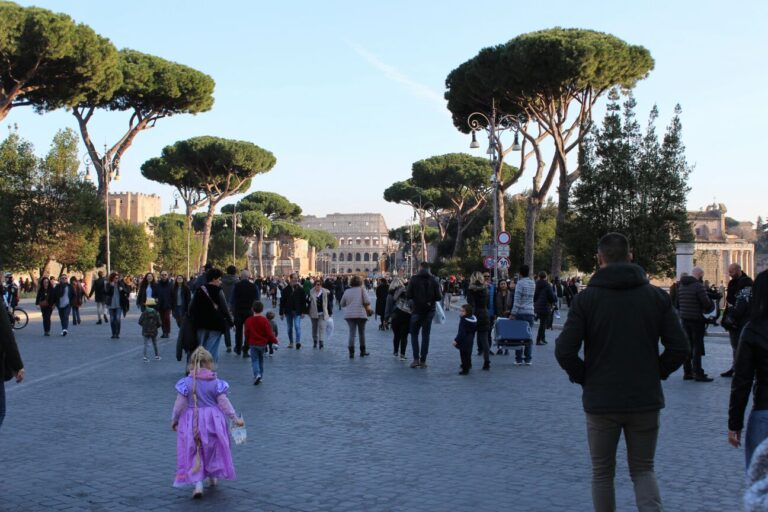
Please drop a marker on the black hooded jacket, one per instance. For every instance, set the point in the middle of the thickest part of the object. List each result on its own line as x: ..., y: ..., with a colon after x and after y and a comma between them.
x: 620, y: 318
x: 751, y: 365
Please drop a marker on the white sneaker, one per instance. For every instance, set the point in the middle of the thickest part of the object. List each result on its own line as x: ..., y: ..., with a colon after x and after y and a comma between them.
x: 157, y: 358
x: 198, y: 492
x: 527, y: 363
x: 146, y: 360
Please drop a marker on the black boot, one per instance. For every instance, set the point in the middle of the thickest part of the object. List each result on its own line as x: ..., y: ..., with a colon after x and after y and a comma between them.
x: 351, y: 352
x: 363, y: 353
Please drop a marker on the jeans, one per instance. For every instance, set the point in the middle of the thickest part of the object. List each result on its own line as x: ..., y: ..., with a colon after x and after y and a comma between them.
x: 294, y: 323
x: 525, y: 353
x: 421, y: 322
x: 114, y: 320
x: 757, y: 432
x: 210, y: 340
x: 318, y: 330
x: 47, y: 312
x: 147, y: 341
x: 228, y: 337
x: 401, y: 326
x: 64, y: 317
x: 695, y: 331
x: 75, y: 315
x: 359, y: 324
x: 641, y: 431
x: 257, y: 360
x: 543, y: 324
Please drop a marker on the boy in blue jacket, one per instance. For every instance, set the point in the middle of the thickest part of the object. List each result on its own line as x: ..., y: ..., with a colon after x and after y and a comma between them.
x: 463, y: 340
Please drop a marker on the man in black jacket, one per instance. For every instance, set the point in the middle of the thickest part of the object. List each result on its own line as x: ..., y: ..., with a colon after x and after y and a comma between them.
x: 244, y: 294
x: 164, y: 290
x: 620, y: 317
x: 737, y: 301
x: 424, y: 291
x: 63, y: 297
x: 99, y: 289
x: 292, y: 308
x: 693, y: 303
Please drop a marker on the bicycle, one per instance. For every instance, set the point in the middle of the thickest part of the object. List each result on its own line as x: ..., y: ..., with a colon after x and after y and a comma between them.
x: 19, y: 318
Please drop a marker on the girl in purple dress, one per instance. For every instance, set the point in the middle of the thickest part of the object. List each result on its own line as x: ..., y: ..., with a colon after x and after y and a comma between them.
x: 199, y: 418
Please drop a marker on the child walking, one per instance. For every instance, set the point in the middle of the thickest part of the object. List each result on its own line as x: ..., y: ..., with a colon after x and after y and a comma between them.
x: 202, y: 441
x: 257, y: 334
x: 273, y: 325
x: 150, y: 323
x: 463, y: 340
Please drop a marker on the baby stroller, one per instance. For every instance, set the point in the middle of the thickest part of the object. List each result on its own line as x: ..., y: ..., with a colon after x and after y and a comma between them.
x: 511, y: 334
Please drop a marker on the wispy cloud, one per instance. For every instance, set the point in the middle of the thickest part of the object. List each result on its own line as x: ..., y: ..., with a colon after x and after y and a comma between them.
x: 391, y: 72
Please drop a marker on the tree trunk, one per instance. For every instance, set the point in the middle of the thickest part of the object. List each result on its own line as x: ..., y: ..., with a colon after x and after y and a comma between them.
x: 207, y: 234
x: 260, y: 251
x: 531, y: 214
x: 423, y: 218
x: 459, y: 235
x: 501, y: 205
x: 563, y: 191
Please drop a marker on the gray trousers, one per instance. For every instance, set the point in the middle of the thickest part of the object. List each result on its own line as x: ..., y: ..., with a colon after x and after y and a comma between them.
x: 641, y: 431
x: 359, y: 324
x: 318, y: 330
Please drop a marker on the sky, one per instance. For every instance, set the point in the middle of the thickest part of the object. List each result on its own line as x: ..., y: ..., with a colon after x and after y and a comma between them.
x: 347, y: 95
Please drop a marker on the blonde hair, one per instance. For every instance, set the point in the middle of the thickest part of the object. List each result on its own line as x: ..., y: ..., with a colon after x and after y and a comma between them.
x: 200, y: 358
x: 476, y: 278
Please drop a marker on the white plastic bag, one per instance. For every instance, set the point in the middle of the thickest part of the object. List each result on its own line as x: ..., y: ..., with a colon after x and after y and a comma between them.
x: 239, y: 434
x: 328, y: 328
x: 439, y: 313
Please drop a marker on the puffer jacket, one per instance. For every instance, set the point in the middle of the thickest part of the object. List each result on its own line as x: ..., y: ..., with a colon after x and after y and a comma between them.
x: 477, y: 297
x: 692, y: 299
x: 543, y: 298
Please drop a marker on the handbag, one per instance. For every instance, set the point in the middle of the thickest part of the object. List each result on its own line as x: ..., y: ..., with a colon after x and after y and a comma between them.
x: 439, y: 313
x: 367, y: 307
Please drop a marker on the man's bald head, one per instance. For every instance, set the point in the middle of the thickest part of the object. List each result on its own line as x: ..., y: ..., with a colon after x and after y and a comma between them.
x: 697, y: 272
x: 734, y: 270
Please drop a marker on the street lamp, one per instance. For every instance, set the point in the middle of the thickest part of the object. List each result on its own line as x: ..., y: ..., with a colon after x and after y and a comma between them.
x: 111, y: 173
x: 236, y: 216
x: 189, y: 230
x: 494, y: 125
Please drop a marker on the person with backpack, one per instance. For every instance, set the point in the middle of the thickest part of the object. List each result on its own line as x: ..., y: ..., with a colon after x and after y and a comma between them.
x: 398, y: 315
x: 424, y: 292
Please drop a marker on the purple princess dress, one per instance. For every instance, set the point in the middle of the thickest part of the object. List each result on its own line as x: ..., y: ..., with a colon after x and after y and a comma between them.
x: 202, y: 442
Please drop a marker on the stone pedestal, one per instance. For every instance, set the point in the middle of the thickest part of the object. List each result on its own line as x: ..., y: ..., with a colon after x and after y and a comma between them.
x: 684, y: 259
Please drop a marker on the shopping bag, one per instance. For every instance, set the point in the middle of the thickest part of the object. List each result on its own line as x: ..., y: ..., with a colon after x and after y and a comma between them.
x: 439, y: 313
x: 328, y: 328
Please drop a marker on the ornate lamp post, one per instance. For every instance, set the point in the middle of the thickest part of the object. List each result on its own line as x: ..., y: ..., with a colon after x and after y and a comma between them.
x: 236, y: 216
x: 112, y: 174
x: 494, y: 124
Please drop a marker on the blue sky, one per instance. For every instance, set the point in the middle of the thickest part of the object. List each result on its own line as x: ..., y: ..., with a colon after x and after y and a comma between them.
x: 347, y: 95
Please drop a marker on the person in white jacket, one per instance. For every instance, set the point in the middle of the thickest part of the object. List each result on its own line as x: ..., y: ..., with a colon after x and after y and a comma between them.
x: 319, y: 312
x: 356, y: 305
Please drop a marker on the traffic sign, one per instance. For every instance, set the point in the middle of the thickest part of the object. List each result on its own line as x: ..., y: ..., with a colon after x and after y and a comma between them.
x: 489, y: 262
x: 503, y: 263
x: 504, y: 238
x: 485, y: 250
x: 502, y: 250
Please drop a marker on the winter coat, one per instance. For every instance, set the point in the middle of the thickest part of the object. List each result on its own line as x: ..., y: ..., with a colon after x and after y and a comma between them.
x: 692, y: 299
x: 293, y: 301
x: 381, y: 299
x: 124, y: 295
x: 318, y: 308
x: 466, y: 334
x: 59, y: 290
x: 164, y: 298
x: 45, y: 294
x: 619, y: 318
x: 477, y: 297
x: 244, y: 294
x: 750, y: 366
x: 738, y: 297
x: 424, y: 291
x: 503, y: 302
x: 353, y: 300
x: 149, y: 322
x: 543, y: 298
x: 186, y: 297
x: 98, y: 290
x: 141, y: 297
x: 228, y: 282
x: 210, y: 310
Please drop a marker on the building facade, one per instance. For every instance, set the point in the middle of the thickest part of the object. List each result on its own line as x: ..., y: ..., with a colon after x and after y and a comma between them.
x: 136, y: 208
x: 715, y: 247
x: 364, y: 244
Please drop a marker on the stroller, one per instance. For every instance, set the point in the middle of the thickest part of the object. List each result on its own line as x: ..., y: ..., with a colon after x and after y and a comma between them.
x: 514, y: 334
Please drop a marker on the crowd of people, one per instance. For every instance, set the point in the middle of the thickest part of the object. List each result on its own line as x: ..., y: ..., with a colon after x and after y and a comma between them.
x: 608, y: 345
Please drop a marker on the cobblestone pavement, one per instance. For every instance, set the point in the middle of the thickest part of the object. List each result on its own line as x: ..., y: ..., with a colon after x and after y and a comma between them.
x: 90, y: 430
